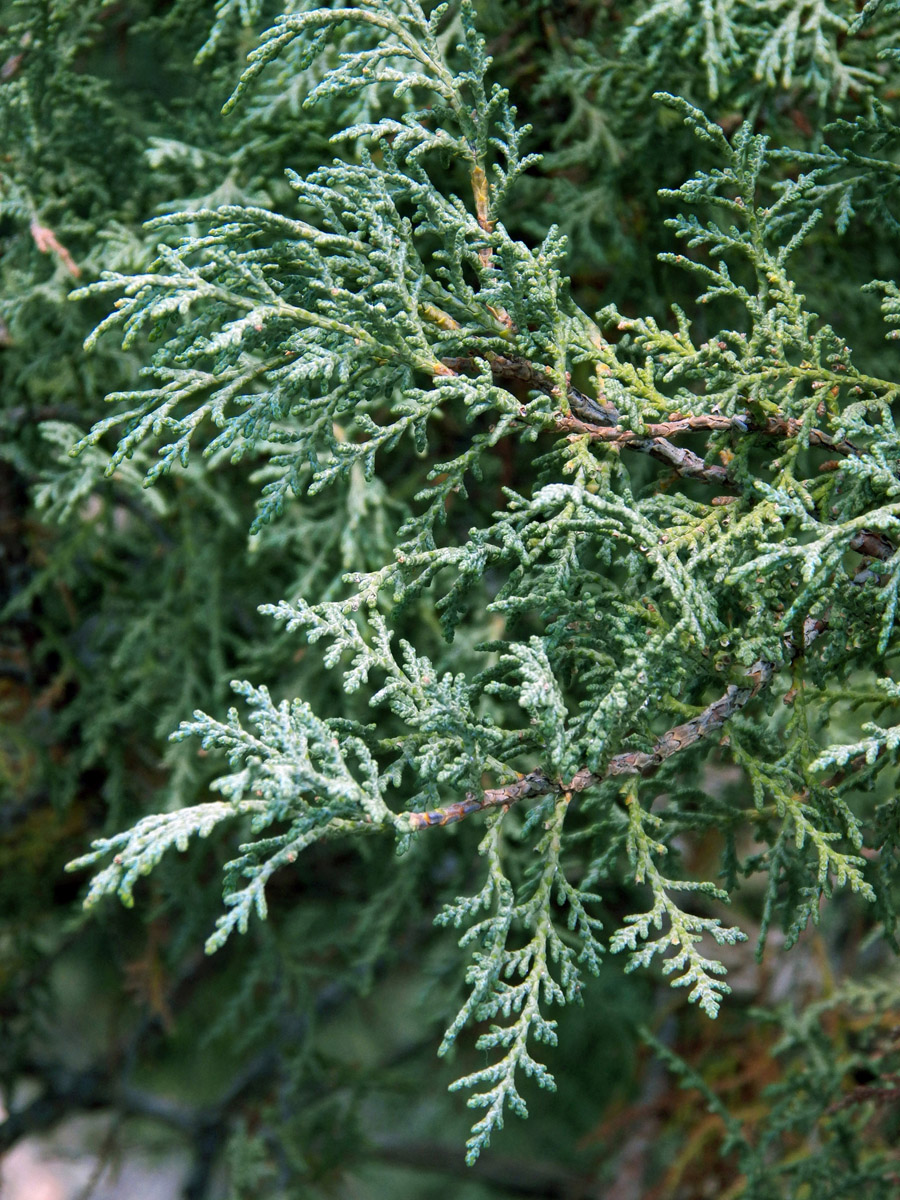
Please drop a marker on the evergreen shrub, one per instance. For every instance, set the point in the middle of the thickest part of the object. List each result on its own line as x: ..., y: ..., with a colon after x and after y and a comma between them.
x: 569, y: 457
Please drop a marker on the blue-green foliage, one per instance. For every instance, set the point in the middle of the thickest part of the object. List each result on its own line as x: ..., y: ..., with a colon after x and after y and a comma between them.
x: 636, y: 609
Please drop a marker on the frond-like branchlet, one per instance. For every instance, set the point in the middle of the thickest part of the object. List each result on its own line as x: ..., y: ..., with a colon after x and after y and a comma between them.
x: 642, y: 530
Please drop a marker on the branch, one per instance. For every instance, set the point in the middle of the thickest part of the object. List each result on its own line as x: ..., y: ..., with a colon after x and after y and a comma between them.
x: 519, y: 370
x: 600, y: 420
x: 506, y: 369
x: 630, y: 762
x: 741, y: 423
x: 689, y: 464
x: 603, y: 425
x: 875, y: 545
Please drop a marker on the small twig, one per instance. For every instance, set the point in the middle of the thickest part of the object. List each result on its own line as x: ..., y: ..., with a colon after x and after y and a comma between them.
x: 601, y: 421
x: 512, y: 369
x: 654, y: 441
x: 600, y: 417
x: 630, y: 762
x: 65, y: 1090
x: 740, y: 423
x: 482, y: 195
x: 882, y: 1094
x: 603, y: 424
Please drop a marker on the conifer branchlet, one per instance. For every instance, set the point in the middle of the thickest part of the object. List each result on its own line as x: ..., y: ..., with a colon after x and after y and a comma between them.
x: 695, y: 550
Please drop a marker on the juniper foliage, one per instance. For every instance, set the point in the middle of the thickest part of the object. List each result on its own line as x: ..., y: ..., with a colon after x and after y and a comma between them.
x: 656, y: 546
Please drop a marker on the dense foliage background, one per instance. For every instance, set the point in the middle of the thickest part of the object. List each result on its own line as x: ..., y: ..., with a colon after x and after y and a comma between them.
x: 301, y: 1056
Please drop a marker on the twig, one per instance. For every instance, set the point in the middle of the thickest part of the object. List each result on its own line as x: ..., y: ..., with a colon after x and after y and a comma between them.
x: 654, y: 440
x: 512, y: 369
x: 740, y: 423
x: 519, y: 370
x: 601, y: 421
x: 630, y: 762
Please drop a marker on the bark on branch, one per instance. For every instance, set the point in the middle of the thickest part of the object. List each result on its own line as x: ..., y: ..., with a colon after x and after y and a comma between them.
x: 597, y: 415
x: 630, y: 762
x: 601, y: 421
x: 741, y: 423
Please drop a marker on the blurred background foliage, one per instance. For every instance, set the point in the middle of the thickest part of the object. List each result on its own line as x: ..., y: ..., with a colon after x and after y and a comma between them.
x: 301, y: 1059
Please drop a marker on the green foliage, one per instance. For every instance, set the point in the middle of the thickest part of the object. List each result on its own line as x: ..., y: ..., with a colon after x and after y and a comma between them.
x: 836, y: 1072
x: 563, y: 561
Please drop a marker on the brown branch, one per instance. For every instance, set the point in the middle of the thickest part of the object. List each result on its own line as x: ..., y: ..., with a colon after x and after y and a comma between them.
x: 512, y: 369
x: 601, y: 421
x: 654, y: 440
x: 882, y: 1094
x: 482, y: 195
x: 790, y: 427
x: 519, y: 370
x: 628, y: 437
x: 741, y: 423
x: 630, y: 762
x: 684, y: 462
x: 66, y: 1090
x: 48, y: 243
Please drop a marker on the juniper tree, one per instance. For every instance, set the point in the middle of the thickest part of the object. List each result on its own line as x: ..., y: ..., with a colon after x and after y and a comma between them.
x: 566, y: 564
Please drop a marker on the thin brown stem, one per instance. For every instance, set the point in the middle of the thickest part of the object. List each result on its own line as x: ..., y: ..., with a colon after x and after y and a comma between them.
x: 630, y: 762
x: 741, y: 423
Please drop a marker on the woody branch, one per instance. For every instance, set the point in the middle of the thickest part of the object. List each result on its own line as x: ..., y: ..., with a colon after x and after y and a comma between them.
x: 630, y: 762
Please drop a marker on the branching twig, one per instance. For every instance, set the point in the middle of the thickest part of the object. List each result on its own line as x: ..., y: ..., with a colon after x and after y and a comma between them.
x: 741, y: 423
x: 602, y: 423
x: 510, y: 369
x: 630, y: 762
x: 519, y: 370
x: 65, y: 1091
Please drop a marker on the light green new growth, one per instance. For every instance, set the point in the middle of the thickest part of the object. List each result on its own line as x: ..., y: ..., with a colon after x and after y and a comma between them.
x: 701, y: 522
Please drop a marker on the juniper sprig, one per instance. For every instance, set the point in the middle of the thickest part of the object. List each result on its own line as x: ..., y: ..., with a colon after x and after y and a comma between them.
x: 692, y: 553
